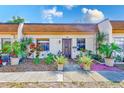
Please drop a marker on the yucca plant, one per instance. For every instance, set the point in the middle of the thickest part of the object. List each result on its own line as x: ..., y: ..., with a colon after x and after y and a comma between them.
x: 86, y: 61
x: 60, y: 60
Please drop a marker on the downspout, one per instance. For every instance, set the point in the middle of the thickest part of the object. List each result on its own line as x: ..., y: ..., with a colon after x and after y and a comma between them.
x: 20, y: 32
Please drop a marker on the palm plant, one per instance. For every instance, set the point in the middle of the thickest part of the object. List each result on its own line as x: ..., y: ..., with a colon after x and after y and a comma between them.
x: 100, y: 38
x: 86, y: 61
x: 16, y: 19
x: 14, y: 49
x: 60, y: 59
x: 25, y: 42
x: 108, y: 49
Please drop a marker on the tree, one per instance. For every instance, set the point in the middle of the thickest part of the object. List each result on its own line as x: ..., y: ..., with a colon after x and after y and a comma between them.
x: 100, y: 39
x: 16, y: 19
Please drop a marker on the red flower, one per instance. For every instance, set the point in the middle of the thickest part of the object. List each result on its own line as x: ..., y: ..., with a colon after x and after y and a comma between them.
x: 32, y: 46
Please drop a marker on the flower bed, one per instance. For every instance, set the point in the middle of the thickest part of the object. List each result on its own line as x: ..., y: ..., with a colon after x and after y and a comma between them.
x: 102, y: 67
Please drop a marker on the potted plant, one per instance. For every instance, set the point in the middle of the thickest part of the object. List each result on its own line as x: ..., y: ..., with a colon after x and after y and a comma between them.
x: 60, y: 60
x: 85, y: 62
x: 14, y: 50
x: 107, y: 50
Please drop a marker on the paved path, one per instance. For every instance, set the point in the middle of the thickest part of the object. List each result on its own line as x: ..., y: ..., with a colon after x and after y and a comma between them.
x: 68, y: 76
x: 116, y: 76
x: 72, y: 67
x: 71, y: 73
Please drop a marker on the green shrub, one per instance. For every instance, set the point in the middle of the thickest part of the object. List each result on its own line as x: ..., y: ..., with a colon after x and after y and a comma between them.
x: 49, y: 59
x: 97, y: 57
x: 37, y: 60
x: 118, y: 58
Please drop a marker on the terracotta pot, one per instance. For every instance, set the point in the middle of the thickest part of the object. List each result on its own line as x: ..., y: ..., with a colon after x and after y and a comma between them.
x: 109, y: 62
x: 14, y: 61
x: 60, y: 67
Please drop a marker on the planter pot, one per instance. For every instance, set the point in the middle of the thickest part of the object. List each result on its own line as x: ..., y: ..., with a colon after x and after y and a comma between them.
x: 4, y: 63
x: 109, y: 62
x: 85, y: 67
x: 60, y: 67
x: 15, y: 61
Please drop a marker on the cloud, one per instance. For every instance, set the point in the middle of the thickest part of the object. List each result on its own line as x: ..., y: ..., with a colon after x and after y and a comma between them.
x: 69, y: 7
x: 92, y: 15
x: 49, y: 14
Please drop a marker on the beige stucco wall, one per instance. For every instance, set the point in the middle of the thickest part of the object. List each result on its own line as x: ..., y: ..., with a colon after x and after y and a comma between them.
x: 56, y: 43
x: 106, y: 27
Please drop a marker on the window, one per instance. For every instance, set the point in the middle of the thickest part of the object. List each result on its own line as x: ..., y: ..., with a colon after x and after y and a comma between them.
x: 5, y: 40
x: 43, y: 44
x: 80, y: 44
x: 120, y: 42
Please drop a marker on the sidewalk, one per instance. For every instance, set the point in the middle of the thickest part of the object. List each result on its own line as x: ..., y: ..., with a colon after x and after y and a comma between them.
x: 52, y: 76
x: 66, y: 76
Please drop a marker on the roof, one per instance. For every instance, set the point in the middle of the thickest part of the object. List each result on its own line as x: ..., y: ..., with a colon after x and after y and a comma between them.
x: 56, y: 29
x: 117, y: 26
x: 8, y: 29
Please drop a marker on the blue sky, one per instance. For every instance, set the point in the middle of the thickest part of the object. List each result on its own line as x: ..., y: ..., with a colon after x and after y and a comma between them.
x: 62, y: 14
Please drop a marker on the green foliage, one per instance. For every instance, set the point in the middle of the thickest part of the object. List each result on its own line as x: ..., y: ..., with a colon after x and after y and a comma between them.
x: 16, y: 19
x: 100, y: 38
x: 49, y: 59
x: 36, y: 60
x: 79, y: 59
x: 86, y: 60
x: 25, y: 42
x: 118, y: 58
x: 14, y: 48
x: 97, y: 57
x: 108, y: 49
x: 60, y: 59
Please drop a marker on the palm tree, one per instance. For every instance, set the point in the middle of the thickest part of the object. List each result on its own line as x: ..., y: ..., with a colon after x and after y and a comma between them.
x: 100, y: 39
x: 16, y: 19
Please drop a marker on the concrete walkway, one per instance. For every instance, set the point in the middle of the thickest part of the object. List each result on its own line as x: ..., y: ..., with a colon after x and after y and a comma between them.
x: 52, y: 76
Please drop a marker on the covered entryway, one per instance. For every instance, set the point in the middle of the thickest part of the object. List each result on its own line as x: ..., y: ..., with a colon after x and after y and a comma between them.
x: 66, y: 47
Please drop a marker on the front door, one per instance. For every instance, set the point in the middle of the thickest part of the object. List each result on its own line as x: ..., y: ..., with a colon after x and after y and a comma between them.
x: 66, y: 47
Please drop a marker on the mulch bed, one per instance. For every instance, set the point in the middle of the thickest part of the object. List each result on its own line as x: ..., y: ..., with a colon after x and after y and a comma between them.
x: 103, y: 67
x: 29, y: 66
x: 96, y: 66
x: 120, y: 66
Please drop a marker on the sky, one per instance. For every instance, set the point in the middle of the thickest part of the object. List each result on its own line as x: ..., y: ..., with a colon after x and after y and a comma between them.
x: 62, y: 13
